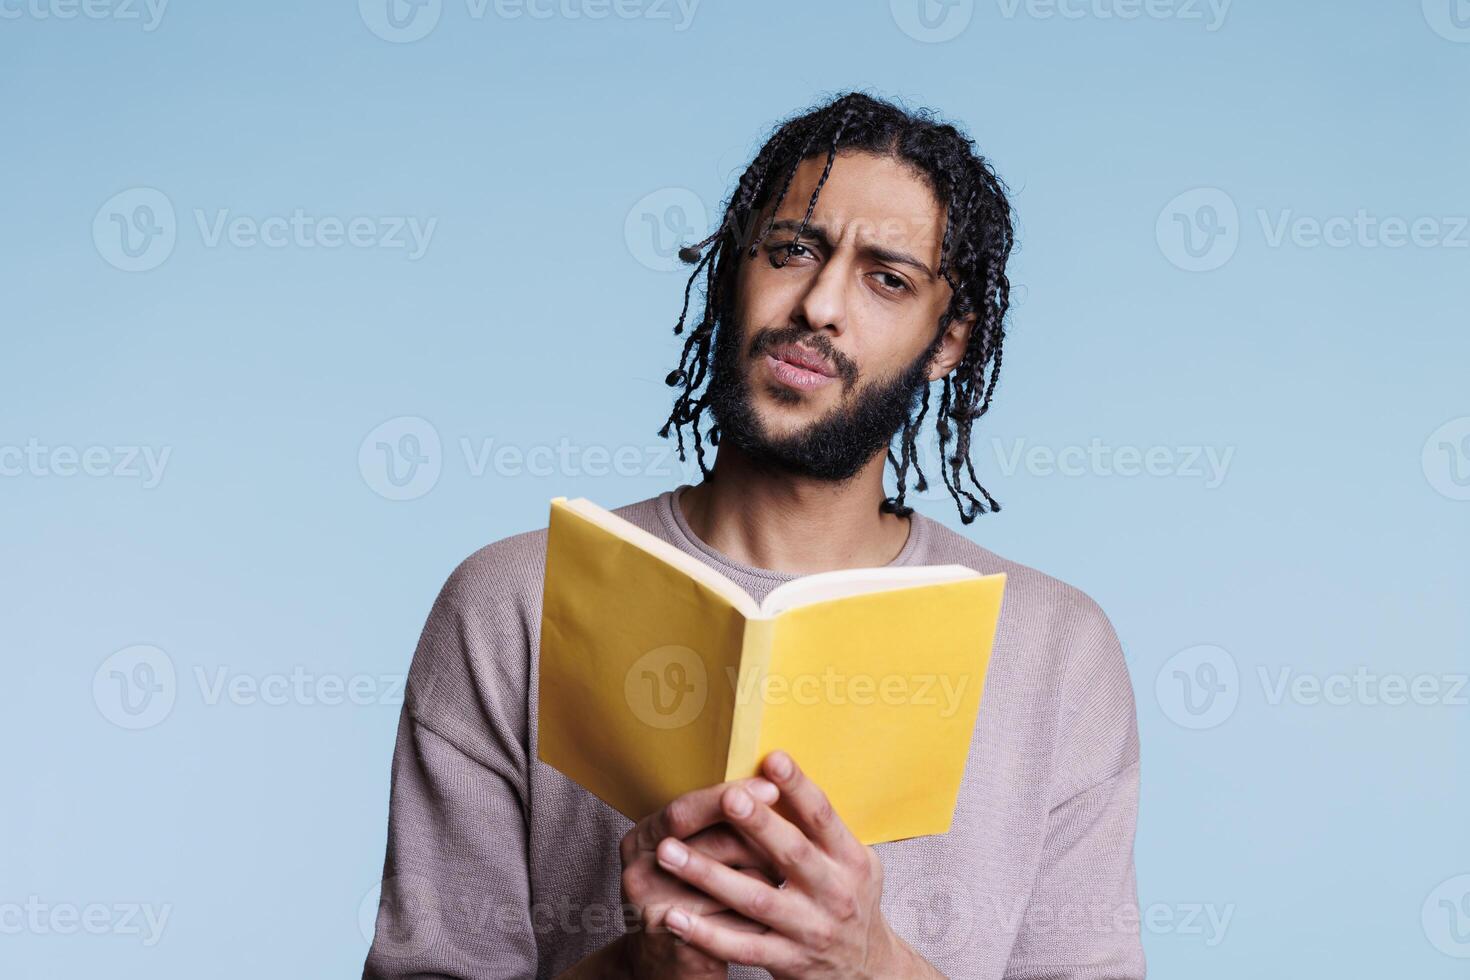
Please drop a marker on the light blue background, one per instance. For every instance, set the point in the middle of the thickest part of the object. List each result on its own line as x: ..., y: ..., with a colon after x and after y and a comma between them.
x: 1333, y: 542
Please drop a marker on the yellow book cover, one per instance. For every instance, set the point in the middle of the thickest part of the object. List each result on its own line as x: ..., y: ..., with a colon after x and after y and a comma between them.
x: 659, y: 675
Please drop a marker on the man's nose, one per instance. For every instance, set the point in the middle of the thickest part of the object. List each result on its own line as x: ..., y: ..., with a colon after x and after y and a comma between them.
x: 824, y: 304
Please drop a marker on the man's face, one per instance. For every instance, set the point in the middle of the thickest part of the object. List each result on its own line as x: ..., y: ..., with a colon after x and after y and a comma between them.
x: 858, y: 295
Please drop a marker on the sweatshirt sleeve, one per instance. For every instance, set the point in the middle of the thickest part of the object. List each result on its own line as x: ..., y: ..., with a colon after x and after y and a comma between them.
x: 455, y: 899
x: 1082, y: 919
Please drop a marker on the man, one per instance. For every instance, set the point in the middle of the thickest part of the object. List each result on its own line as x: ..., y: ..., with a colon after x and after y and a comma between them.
x: 861, y: 258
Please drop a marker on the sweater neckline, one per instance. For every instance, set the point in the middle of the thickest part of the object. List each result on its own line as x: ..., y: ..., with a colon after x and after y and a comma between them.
x: 673, y: 518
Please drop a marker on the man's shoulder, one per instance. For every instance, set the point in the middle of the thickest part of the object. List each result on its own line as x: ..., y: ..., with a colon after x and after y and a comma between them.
x: 1055, y: 645
x: 1033, y: 595
x: 513, y: 567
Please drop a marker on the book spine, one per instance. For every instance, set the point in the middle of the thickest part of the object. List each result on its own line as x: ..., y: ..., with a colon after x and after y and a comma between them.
x: 745, y: 726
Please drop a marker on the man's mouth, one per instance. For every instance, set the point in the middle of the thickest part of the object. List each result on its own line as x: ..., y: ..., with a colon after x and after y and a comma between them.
x: 800, y: 368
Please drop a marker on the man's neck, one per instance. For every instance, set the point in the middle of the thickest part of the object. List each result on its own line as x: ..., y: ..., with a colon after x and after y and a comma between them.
x: 793, y: 524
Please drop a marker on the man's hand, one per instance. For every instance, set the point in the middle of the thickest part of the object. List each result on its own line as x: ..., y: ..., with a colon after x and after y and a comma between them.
x: 824, y: 920
x: 697, y: 822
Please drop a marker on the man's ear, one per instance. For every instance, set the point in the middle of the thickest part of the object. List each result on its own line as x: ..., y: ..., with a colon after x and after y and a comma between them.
x: 952, y: 348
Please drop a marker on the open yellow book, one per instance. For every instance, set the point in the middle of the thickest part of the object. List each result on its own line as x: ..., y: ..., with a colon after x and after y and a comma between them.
x: 659, y: 675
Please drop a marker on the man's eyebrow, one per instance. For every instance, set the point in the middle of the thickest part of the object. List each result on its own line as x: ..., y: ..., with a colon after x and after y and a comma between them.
x: 818, y: 234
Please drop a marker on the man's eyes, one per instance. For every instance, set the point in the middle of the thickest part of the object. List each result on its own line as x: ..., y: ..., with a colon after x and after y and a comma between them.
x: 897, y: 284
x: 889, y: 282
x: 790, y: 250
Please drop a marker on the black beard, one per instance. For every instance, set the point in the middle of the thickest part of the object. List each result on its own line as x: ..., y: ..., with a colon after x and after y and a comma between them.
x: 833, y: 447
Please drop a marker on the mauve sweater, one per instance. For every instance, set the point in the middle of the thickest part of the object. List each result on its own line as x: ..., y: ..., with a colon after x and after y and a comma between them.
x: 499, y: 866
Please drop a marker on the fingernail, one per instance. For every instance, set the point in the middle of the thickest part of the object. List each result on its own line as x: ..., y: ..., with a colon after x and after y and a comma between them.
x: 672, y: 853
x: 740, y: 803
x: 781, y: 766
x: 764, y: 790
x: 677, y: 921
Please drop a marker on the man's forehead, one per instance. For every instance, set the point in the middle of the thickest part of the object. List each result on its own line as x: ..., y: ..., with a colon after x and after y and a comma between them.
x: 866, y: 200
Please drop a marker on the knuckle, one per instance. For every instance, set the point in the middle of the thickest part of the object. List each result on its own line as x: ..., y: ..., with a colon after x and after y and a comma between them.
x: 823, y: 816
x: 760, y: 902
x: 758, y: 816
x: 676, y: 817
x: 798, y: 854
x: 745, y: 952
x: 860, y: 862
x: 845, y: 907
x: 639, y: 883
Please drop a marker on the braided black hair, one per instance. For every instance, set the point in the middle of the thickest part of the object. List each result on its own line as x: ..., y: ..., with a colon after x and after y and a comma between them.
x: 978, y: 234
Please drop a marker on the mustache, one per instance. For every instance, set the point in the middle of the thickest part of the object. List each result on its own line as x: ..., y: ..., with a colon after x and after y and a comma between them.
x: 775, y: 336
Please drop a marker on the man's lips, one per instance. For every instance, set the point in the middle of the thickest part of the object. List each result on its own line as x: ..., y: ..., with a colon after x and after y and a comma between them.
x: 798, y: 367
x: 803, y: 358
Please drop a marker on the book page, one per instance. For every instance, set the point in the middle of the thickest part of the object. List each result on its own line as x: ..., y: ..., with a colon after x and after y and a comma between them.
x: 876, y: 697
x: 637, y: 662
x: 661, y: 549
x: 855, y: 581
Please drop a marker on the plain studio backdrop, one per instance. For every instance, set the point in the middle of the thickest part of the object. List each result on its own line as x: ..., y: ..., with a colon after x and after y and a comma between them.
x: 303, y: 303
